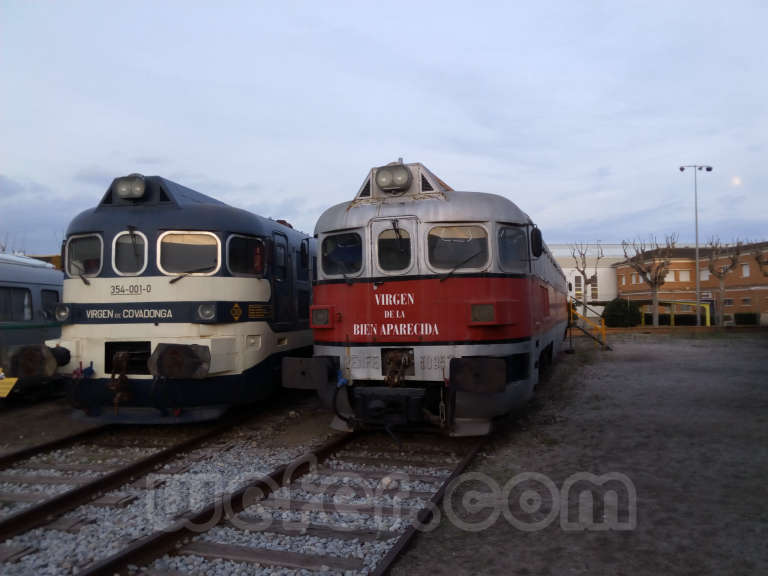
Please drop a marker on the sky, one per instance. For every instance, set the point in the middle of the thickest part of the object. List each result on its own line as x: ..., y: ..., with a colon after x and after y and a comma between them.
x: 579, y: 112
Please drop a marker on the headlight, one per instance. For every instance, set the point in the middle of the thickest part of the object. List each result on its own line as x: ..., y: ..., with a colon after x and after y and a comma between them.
x: 483, y: 313
x: 393, y: 177
x: 61, y: 312
x: 206, y: 312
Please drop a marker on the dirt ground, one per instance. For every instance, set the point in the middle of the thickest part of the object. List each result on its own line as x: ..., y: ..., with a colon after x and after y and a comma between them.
x: 684, y: 418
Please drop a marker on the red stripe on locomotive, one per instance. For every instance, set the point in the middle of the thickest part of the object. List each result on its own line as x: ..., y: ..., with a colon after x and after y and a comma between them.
x: 428, y: 310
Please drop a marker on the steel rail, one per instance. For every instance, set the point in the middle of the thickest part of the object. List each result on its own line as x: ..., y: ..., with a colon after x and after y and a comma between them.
x: 159, y: 543
x: 11, y: 458
x: 47, y: 510
x: 169, y: 540
x: 424, y: 515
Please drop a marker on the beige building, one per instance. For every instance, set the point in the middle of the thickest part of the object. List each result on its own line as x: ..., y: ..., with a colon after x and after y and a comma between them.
x: 746, y: 285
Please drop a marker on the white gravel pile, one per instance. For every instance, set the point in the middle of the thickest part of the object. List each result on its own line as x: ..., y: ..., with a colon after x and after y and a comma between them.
x: 197, y: 566
x: 341, y: 465
x: 84, y: 454
x: 449, y: 459
x: 371, y: 485
x: 90, y: 474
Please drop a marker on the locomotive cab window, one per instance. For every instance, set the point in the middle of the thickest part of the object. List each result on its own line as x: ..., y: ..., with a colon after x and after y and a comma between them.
x: 15, y: 304
x: 84, y: 255
x: 245, y: 256
x: 394, y: 247
x: 48, y: 301
x: 457, y: 247
x: 513, y: 248
x: 342, y: 253
x: 129, y: 253
x: 188, y: 253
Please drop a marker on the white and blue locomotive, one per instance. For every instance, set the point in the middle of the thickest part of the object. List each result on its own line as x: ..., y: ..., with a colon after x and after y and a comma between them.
x: 176, y: 305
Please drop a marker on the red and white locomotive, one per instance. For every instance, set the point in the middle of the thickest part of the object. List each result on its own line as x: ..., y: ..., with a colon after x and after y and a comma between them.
x: 431, y: 306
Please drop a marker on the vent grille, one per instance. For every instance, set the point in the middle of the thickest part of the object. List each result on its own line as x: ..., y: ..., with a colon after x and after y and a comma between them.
x: 425, y: 185
x: 366, y: 191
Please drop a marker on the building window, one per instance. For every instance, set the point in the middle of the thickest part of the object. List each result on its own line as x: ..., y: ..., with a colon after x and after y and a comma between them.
x: 578, y: 288
x: 593, y: 287
x: 669, y: 276
x: 728, y: 302
x: 745, y: 270
x: 623, y: 280
x: 684, y: 275
x: 746, y: 301
x: 704, y: 274
x: 634, y: 278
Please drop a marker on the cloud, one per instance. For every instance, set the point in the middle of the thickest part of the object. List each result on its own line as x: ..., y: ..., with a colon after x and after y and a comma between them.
x: 34, y: 218
x: 94, y: 176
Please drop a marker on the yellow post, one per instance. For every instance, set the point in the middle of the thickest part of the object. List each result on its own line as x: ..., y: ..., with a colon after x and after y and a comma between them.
x: 642, y: 315
x: 706, y: 313
x: 672, y: 315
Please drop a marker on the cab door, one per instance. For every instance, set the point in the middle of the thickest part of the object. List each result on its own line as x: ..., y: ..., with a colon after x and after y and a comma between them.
x: 282, y: 284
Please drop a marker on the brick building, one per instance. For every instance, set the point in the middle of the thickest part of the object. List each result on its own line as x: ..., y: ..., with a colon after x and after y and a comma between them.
x: 746, y: 285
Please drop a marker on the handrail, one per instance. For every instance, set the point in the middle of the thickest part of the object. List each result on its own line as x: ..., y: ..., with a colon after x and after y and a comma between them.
x: 585, y: 305
x: 600, y: 335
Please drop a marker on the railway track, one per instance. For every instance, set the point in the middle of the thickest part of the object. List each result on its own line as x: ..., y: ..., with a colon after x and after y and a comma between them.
x: 349, y: 507
x: 219, y: 499
x: 67, y: 504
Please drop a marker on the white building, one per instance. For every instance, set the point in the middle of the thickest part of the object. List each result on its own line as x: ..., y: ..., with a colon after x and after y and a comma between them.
x: 598, y: 293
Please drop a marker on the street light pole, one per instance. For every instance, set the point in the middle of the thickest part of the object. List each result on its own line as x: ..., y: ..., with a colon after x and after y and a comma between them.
x: 697, y: 168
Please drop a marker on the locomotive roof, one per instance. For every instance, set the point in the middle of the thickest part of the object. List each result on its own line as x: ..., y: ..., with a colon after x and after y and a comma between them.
x: 25, y: 270
x: 169, y: 205
x: 448, y: 206
x: 413, y: 190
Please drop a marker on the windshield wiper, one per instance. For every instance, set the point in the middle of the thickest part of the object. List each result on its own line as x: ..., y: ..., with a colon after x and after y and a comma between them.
x: 396, y: 228
x: 132, y: 232
x: 80, y: 274
x: 459, y: 265
x: 193, y: 271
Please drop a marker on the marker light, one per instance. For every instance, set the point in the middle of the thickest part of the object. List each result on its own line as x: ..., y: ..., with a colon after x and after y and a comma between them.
x: 321, y: 317
x: 130, y: 187
x: 483, y: 313
x: 393, y: 177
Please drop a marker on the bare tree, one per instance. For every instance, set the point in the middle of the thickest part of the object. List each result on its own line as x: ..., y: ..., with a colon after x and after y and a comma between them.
x: 758, y: 251
x: 651, y: 261
x: 580, y: 254
x: 722, y: 259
